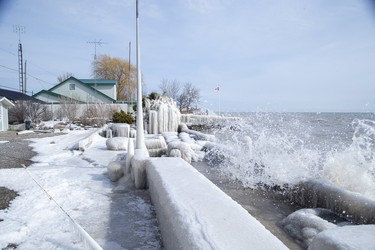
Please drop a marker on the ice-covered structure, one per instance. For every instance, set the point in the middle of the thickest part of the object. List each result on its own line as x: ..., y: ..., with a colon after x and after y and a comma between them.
x: 161, y: 115
x: 353, y: 206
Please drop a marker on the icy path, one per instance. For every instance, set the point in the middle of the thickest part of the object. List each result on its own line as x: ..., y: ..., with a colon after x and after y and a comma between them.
x: 78, y: 183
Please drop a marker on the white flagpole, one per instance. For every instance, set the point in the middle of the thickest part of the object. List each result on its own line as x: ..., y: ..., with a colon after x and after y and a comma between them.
x: 140, y: 144
x: 218, y: 90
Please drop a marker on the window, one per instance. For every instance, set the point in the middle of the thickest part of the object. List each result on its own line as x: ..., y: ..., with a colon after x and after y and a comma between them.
x: 72, y: 86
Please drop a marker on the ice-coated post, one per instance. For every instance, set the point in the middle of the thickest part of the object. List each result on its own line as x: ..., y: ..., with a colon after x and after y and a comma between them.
x: 140, y: 141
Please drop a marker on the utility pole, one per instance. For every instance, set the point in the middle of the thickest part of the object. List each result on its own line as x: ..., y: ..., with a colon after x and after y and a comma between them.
x: 20, y: 30
x: 24, y: 83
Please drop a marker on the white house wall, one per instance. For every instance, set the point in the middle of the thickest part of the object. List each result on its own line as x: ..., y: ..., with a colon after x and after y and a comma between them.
x: 47, y: 98
x: 109, y: 90
x: 3, y: 118
x: 80, y: 92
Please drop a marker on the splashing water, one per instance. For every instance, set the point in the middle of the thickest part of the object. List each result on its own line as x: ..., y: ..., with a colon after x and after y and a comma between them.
x: 282, y: 149
x: 354, y: 167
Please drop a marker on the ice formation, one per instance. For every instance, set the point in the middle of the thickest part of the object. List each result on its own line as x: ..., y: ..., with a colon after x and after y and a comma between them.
x: 138, y: 165
x: 304, y: 224
x: 117, y: 143
x: 155, y: 145
x: 162, y: 115
x: 353, y: 206
x: 129, y: 156
x: 348, y: 237
x: 115, y: 170
x: 120, y: 129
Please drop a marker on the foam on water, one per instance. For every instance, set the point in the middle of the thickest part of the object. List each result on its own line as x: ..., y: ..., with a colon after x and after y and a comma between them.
x: 279, y: 149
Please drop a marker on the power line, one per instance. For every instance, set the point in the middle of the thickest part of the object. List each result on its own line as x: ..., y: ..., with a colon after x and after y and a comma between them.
x: 8, y: 68
x: 10, y: 88
x: 34, y: 77
x: 30, y: 62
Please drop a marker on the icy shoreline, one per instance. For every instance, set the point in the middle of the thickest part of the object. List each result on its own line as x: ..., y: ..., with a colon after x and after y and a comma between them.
x: 82, y: 188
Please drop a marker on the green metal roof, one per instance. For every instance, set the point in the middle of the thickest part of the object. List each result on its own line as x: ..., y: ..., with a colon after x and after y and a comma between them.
x: 48, y: 93
x: 98, y: 81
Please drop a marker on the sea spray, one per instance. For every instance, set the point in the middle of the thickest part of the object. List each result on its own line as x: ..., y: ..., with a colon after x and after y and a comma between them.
x: 283, y: 149
x: 354, y: 167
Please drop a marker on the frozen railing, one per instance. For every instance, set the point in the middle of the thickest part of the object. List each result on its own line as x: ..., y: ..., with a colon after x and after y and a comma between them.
x: 210, y: 120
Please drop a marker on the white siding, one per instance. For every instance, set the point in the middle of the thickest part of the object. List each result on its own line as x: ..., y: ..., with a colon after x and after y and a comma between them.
x: 80, y: 92
x: 47, y: 98
x: 109, y: 90
x: 3, y: 118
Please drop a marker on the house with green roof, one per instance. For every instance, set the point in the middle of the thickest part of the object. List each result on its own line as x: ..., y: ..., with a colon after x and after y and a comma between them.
x: 80, y: 90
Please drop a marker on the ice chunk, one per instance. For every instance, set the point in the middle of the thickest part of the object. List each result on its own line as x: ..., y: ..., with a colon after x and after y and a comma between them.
x: 196, y: 134
x: 304, y: 224
x: 117, y: 143
x: 155, y: 145
x: 115, y: 170
x: 353, y: 206
x: 347, y: 237
x: 183, y: 147
x: 120, y: 129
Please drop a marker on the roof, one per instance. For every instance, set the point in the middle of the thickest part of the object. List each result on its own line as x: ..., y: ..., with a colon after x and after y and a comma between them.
x: 98, y: 81
x: 48, y: 93
x: 5, y: 101
x: 16, y: 96
x: 85, y: 84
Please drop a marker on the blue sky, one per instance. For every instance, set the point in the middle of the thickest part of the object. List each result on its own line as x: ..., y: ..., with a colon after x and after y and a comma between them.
x: 268, y: 55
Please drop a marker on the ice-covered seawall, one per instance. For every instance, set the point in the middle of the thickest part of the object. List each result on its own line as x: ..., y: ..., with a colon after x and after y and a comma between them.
x: 195, y: 214
x: 352, y: 206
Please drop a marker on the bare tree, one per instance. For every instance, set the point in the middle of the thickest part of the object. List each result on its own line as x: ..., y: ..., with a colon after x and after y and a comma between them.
x: 96, y: 114
x: 64, y: 76
x: 170, y: 88
x: 69, y: 108
x: 114, y: 68
x: 189, y: 96
x: 18, y: 113
x: 23, y: 110
x: 35, y: 111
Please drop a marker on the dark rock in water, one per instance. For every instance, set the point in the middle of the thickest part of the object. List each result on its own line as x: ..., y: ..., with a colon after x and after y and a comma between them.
x: 6, y: 196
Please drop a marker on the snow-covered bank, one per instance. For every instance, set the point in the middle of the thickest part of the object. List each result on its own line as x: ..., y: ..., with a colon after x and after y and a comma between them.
x: 195, y: 214
x: 77, y: 181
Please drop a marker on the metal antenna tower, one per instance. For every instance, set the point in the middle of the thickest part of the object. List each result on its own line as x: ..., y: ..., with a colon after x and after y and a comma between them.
x: 96, y: 43
x: 20, y: 30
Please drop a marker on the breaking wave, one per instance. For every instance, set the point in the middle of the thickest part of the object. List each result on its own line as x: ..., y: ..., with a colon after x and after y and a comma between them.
x: 283, y: 149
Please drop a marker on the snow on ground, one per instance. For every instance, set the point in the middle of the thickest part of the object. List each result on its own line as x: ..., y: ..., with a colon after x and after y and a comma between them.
x: 3, y: 142
x: 77, y: 181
